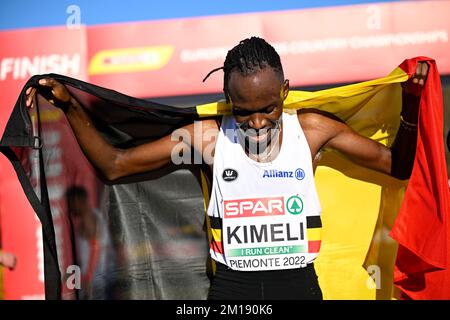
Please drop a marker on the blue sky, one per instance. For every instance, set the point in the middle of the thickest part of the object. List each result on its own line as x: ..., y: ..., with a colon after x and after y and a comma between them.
x: 18, y: 14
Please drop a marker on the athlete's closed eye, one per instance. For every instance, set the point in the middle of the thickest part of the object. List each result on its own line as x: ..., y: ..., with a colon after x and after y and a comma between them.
x: 241, y: 112
x: 245, y: 113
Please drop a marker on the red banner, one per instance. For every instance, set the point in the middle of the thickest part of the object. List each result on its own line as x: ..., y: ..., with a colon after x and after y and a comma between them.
x: 162, y: 58
x: 317, y: 46
x: 22, y: 54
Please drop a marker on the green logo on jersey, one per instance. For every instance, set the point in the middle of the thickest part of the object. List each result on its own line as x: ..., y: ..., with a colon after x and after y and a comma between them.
x: 294, y: 205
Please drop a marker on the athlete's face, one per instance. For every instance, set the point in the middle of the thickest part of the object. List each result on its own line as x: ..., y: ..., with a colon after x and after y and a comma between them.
x: 257, y: 102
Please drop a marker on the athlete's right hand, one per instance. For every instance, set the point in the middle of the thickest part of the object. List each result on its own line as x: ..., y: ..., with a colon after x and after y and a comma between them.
x: 55, y: 92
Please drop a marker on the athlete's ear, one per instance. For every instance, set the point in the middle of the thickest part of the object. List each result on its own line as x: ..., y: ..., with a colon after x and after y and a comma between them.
x: 285, y: 89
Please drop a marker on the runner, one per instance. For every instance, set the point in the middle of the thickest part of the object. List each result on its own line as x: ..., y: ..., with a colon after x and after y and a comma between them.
x: 264, y: 209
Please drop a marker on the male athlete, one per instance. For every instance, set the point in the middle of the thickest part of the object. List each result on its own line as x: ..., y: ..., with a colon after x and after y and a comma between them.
x: 261, y: 250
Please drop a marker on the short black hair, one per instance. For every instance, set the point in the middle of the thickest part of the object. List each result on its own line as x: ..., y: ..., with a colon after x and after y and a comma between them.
x: 250, y: 55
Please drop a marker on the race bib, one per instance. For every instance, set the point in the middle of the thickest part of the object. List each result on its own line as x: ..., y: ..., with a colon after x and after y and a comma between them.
x: 265, y: 233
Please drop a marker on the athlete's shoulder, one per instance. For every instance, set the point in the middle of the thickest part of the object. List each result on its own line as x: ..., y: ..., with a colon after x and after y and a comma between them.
x: 310, y: 118
x: 203, y: 125
x: 212, y: 123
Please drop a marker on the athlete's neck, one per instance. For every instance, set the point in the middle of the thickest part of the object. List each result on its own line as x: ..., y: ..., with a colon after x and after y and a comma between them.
x: 272, y: 150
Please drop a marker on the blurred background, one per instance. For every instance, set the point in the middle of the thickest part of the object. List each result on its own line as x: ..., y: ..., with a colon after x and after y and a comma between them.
x: 163, y: 50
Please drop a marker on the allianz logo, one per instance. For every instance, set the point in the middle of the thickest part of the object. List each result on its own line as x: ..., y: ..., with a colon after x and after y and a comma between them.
x: 298, y: 174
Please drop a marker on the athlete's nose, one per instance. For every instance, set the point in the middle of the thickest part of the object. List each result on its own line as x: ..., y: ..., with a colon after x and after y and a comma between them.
x: 258, y: 121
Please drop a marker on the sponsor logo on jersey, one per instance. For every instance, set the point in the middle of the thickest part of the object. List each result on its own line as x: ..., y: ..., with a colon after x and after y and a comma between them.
x: 299, y: 174
x: 294, y: 205
x: 241, y: 208
x: 229, y: 175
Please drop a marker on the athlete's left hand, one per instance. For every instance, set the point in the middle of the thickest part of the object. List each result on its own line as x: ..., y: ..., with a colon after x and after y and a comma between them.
x: 412, y: 90
x: 416, y: 83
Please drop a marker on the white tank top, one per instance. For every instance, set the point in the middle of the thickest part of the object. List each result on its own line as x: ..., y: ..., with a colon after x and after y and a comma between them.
x: 264, y: 216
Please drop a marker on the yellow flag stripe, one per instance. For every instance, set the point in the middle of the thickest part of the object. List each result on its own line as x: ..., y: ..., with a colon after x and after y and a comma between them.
x: 314, y: 234
x: 217, y: 234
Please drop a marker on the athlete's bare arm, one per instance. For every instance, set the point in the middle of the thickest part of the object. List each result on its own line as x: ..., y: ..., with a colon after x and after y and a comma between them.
x: 113, y: 162
x: 324, y: 132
